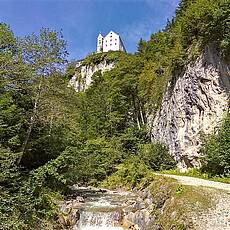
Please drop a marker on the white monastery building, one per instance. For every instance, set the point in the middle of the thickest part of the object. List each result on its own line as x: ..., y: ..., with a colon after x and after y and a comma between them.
x: 111, y: 41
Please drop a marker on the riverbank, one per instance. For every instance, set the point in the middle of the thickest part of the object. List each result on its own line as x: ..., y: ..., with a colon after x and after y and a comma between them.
x: 157, y: 202
x: 190, y: 205
x: 91, y: 208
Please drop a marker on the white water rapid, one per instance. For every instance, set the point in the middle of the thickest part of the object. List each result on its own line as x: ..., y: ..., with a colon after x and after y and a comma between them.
x: 103, y: 211
x: 99, y: 221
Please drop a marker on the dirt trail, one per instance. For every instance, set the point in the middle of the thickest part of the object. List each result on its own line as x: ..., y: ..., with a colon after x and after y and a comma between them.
x: 186, y: 180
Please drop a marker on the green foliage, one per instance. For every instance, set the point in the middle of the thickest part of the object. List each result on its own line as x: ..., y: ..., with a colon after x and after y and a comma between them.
x: 8, y: 170
x: 52, y: 136
x: 70, y: 70
x: 197, y: 24
x: 111, y: 104
x: 45, y: 53
x: 216, y: 151
x: 156, y: 156
x: 129, y: 174
x: 205, y: 21
x: 96, y: 58
x: 179, y: 190
x: 137, y: 170
x: 27, y: 201
x: 10, y: 122
x: 32, y: 110
x: 92, y: 161
x: 7, y: 39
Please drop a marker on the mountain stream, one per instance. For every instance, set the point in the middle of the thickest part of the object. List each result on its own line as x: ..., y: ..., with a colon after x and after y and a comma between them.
x: 104, y: 210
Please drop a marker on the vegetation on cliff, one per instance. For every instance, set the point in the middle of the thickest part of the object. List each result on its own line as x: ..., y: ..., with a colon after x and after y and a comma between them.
x: 216, y: 151
x: 97, y: 58
x: 52, y: 137
x: 197, y: 24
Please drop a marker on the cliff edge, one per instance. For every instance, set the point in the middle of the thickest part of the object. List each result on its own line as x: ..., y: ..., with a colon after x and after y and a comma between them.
x: 195, y: 103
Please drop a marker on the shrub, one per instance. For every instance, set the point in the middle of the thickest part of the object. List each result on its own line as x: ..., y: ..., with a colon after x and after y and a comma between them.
x: 216, y: 151
x: 129, y: 174
x: 156, y: 156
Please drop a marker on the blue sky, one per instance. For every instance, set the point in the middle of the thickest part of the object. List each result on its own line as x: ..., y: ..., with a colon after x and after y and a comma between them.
x: 82, y: 20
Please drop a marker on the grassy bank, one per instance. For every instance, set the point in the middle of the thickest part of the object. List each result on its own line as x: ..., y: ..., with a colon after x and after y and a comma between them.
x: 174, y: 206
x: 177, y: 206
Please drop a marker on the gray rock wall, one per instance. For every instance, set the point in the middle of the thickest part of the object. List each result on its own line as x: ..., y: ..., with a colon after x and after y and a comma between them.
x: 193, y: 104
x: 83, y: 74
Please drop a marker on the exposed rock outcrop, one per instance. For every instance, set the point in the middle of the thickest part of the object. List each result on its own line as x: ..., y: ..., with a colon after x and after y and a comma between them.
x: 83, y: 74
x: 139, y: 214
x: 195, y: 103
x: 69, y: 213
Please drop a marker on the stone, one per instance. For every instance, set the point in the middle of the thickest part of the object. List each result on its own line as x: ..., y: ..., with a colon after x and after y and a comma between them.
x: 194, y: 103
x: 69, y: 218
x: 80, y: 199
x: 83, y: 74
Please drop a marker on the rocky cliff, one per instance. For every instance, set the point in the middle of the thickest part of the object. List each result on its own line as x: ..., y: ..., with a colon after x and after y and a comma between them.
x: 194, y: 104
x: 84, y: 72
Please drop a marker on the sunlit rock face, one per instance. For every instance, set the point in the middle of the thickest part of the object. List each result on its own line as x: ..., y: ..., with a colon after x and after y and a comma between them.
x: 194, y: 104
x: 83, y: 74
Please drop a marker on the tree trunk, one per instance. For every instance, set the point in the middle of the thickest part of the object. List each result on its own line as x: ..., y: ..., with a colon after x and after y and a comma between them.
x: 32, y: 120
x: 136, y: 112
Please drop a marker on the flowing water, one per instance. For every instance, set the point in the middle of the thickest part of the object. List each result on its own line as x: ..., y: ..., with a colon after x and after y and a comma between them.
x: 102, y: 210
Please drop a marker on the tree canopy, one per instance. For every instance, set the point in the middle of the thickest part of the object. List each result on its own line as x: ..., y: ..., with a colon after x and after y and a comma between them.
x: 52, y: 137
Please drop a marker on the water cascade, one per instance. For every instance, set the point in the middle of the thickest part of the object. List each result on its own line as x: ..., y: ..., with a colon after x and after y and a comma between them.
x: 99, y: 220
x: 103, y: 211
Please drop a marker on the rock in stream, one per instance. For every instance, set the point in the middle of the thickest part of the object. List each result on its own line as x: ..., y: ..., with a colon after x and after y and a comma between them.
x: 99, y: 209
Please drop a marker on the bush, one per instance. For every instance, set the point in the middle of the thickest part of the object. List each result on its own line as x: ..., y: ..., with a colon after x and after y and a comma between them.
x: 27, y: 199
x: 156, y: 156
x: 216, y: 151
x: 92, y: 161
x: 96, y: 58
x: 129, y: 174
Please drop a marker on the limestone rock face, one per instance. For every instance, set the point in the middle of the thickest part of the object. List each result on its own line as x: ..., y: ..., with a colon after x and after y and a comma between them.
x: 194, y: 104
x: 83, y: 74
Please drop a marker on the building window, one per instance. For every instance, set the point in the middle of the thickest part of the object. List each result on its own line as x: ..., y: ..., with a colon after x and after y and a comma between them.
x: 115, y: 43
x: 110, y: 44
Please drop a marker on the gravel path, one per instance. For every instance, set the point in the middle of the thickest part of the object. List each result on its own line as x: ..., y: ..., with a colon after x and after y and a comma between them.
x: 216, y: 218
x: 186, y: 180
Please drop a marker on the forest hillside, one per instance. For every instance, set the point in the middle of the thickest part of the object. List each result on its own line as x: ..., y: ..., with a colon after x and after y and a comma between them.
x: 53, y: 137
